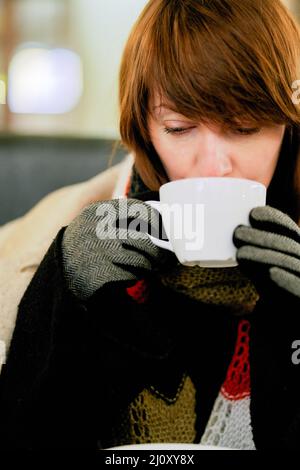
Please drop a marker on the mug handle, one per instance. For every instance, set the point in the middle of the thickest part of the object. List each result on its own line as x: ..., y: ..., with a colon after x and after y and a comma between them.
x: 161, y: 243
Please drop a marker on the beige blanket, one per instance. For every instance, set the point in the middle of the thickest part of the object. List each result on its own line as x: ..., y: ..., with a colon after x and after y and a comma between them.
x: 24, y: 241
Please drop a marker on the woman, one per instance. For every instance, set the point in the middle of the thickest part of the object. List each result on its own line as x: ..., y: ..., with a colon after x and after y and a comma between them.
x: 115, y: 342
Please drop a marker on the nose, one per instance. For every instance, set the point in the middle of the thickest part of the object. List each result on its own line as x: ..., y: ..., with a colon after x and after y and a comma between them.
x: 212, y: 155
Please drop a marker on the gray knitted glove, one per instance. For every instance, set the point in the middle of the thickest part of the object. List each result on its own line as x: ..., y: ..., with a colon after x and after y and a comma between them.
x: 108, y: 242
x: 269, y: 251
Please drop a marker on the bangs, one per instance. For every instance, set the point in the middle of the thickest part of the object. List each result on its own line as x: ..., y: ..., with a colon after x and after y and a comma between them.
x: 210, y: 65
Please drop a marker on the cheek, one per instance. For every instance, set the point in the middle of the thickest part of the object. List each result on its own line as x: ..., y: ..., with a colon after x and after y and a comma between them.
x: 259, y: 165
x: 259, y: 161
x: 172, y: 154
x: 267, y: 166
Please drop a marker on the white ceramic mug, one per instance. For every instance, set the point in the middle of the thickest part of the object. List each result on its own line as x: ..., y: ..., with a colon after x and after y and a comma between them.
x: 200, y: 215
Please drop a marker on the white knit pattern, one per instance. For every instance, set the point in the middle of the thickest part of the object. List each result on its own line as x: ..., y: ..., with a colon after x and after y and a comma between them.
x: 229, y: 424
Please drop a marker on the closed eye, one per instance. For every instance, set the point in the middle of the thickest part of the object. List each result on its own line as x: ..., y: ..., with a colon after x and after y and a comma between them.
x: 238, y: 131
x: 246, y: 131
x: 177, y: 130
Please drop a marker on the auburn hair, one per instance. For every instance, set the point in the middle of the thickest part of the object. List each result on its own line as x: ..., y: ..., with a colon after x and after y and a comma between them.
x: 212, y: 60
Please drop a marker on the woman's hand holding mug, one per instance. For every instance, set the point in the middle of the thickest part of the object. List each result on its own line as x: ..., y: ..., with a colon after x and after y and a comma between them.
x: 269, y: 251
x: 108, y: 242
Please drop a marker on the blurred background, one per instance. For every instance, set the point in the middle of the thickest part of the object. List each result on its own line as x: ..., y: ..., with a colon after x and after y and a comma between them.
x: 59, y: 62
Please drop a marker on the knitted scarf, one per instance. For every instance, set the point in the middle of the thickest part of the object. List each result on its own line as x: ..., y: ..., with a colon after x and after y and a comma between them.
x: 154, y: 416
x: 217, y: 286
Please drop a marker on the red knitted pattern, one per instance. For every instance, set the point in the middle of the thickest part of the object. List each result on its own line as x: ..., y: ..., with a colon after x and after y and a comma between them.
x: 237, y: 382
x: 139, y: 292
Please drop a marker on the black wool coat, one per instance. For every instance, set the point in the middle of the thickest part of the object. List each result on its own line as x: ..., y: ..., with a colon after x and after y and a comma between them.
x: 73, y: 365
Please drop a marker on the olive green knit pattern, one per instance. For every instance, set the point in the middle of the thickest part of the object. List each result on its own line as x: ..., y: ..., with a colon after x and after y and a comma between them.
x: 152, y: 417
x: 226, y: 287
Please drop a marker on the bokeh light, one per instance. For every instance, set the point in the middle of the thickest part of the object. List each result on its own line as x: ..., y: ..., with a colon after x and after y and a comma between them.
x: 42, y: 80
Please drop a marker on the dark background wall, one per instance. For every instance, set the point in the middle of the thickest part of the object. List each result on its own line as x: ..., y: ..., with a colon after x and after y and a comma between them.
x: 31, y: 167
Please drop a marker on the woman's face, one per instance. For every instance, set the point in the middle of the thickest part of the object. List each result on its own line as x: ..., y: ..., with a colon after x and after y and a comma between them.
x: 189, y: 149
